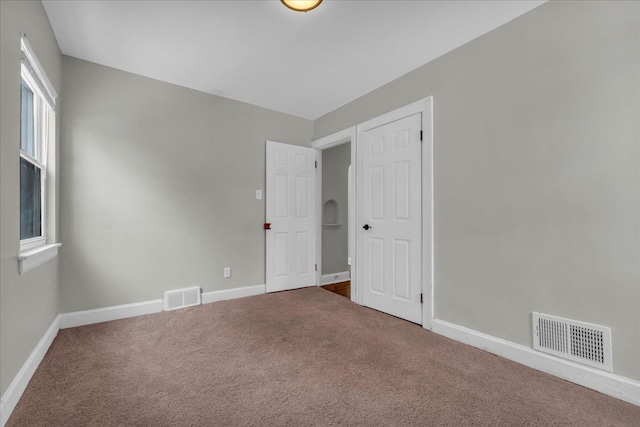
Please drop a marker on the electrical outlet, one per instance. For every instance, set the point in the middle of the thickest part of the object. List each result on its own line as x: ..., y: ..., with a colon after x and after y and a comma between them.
x: 258, y: 194
x: 227, y: 272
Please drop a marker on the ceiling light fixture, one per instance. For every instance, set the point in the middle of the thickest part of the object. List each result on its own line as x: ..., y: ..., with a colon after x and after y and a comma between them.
x: 301, y: 5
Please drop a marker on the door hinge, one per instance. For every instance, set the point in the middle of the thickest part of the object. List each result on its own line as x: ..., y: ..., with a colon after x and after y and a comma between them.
x: 316, y: 267
x: 316, y: 164
x: 421, y: 298
x: 420, y: 135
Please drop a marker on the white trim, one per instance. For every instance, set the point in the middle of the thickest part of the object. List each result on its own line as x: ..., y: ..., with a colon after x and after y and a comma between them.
x: 425, y: 108
x: 13, y: 393
x: 227, y: 294
x: 428, y: 225
x: 31, y: 258
x: 617, y: 386
x: 324, y: 143
x: 397, y: 114
x: 32, y: 243
x: 328, y: 279
x: 37, y: 163
x: 319, y: 216
x: 335, y: 139
x: 39, y: 70
x: 106, y: 314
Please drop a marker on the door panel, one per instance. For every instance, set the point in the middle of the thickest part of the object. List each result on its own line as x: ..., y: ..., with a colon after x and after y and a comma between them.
x: 401, y: 270
x: 290, y: 198
x: 376, y: 265
x: 392, y: 207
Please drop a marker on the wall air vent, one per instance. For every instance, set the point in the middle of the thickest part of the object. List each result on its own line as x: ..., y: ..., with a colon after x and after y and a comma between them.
x: 181, y: 298
x: 572, y: 340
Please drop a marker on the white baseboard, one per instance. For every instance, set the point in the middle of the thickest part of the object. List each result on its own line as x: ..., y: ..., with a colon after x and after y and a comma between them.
x: 226, y: 294
x: 328, y: 279
x: 13, y: 393
x: 98, y: 315
x: 617, y: 386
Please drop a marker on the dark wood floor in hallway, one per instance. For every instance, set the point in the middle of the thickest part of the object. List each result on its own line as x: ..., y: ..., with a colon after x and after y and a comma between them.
x: 342, y: 288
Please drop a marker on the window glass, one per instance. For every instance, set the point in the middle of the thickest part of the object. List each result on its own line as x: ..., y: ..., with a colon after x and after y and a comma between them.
x: 30, y: 200
x: 27, y: 128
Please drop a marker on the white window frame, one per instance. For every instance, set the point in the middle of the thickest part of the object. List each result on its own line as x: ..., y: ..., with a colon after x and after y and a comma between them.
x: 40, y: 159
x: 36, y: 250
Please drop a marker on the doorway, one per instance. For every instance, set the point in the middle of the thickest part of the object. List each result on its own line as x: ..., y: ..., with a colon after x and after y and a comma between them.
x: 335, y: 196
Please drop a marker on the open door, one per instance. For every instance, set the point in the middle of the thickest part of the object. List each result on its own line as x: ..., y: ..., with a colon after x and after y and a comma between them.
x: 291, y: 216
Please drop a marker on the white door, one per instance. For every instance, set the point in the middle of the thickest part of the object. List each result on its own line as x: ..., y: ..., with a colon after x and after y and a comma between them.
x: 391, y: 218
x: 291, y: 198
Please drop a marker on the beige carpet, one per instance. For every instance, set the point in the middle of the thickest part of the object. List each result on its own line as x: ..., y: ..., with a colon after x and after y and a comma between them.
x: 298, y: 358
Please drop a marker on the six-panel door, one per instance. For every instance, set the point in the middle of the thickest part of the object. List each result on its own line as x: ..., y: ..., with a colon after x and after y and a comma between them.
x: 290, y: 199
x: 392, y: 218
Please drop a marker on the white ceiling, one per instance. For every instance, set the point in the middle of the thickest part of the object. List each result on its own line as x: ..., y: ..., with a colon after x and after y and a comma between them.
x: 260, y: 52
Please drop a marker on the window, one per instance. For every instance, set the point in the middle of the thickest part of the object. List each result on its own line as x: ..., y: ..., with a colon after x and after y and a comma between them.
x: 33, y: 144
x: 37, y: 123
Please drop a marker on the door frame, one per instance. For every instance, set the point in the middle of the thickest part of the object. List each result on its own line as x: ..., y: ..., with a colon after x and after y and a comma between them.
x: 425, y: 107
x: 330, y: 141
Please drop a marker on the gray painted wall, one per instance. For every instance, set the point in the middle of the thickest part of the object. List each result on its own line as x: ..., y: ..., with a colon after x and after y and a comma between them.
x: 158, y: 187
x: 335, y: 186
x: 28, y: 302
x: 537, y: 171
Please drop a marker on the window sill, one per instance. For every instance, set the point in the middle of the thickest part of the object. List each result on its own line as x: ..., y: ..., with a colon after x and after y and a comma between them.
x: 31, y: 258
